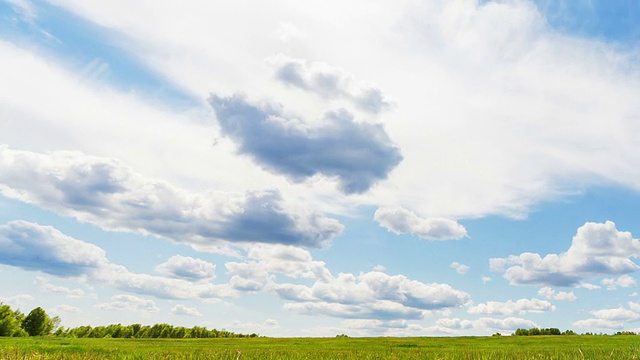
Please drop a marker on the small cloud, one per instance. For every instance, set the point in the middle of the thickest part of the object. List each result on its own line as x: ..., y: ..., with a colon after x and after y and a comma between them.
x: 599, y: 324
x: 634, y: 306
x: 45, y: 286
x: 486, y: 279
x: 460, y: 268
x: 288, y: 32
x: 186, y: 267
x: 64, y: 309
x: 486, y: 323
x: 621, y: 281
x: 521, y: 307
x: 129, y: 303
x: 610, y: 318
x: 401, y: 221
x: 379, y: 268
x: 551, y: 294
x: 271, y: 322
x: 186, y: 311
x: 25, y: 9
x: 588, y: 286
x: 17, y: 300
x: 328, y: 82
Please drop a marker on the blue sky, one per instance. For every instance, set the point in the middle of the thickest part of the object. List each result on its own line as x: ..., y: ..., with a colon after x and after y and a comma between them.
x: 401, y: 169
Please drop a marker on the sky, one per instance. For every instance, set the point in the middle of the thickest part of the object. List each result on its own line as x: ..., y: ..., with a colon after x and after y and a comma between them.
x: 287, y: 168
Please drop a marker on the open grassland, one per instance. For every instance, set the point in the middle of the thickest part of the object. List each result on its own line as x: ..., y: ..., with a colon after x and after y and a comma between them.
x: 508, y: 347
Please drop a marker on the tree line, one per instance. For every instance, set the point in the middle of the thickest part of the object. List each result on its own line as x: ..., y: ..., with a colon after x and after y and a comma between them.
x: 554, y: 331
x: 38, y: 323
x: 544, y: 331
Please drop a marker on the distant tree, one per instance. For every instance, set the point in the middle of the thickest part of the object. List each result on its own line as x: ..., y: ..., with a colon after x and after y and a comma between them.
x: 38, y: 323
x: 625, y: 333
x: 135, y: 328
x: 10, y: 321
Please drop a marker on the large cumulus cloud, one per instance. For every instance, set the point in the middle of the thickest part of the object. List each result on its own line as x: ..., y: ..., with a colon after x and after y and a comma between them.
x: 108, y: 193
x: 597, y: 249
x: 36, y: 247
x: 372, y: 295
x: 357, y: 154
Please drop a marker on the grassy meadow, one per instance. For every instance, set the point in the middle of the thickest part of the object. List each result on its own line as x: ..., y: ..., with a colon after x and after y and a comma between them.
x: 507, y: 347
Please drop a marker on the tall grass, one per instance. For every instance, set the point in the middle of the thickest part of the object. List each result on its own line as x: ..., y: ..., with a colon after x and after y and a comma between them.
x: 464, y: 348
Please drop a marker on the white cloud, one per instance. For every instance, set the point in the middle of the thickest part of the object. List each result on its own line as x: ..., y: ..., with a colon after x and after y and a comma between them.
x: 339, y: 147
x: 45, y: 286
x: 288, y: 32
x: 509, y: 324
x: 379, y: 268
x: 35, y: 247
x: 265, y: 260
x: 634, y: 306
x: 518, y: 307
x: 105, y: 192
x: 618, y: 314
x: 551, y: 294
x: 621, y: 281
x: 25, y: 8
x: 596, y: 249
x: 129, y: 303
x: 17, y: 300
x: 460, y: 268
x: 401, y: 221
x: 184, y: 310
x: 499, y: 61
x: 329, y: 82
x: 588, y: 286
x: 64, y: 309
x: 599, y: 324
x: 372, y: 295
x: 610, y: 318
x: 186, y: 267
x: 478, y: 85
x: 43, y: 248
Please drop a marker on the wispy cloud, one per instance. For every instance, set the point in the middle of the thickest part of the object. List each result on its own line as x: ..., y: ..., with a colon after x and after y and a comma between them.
x: 518, y: 307
x: 329, y: 82
x: 129, y: 303
x: 184, y: 310
x: 509, y: 323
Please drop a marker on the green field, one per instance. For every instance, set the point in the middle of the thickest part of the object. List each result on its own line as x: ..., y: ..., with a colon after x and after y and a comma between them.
x: 508, y: 347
